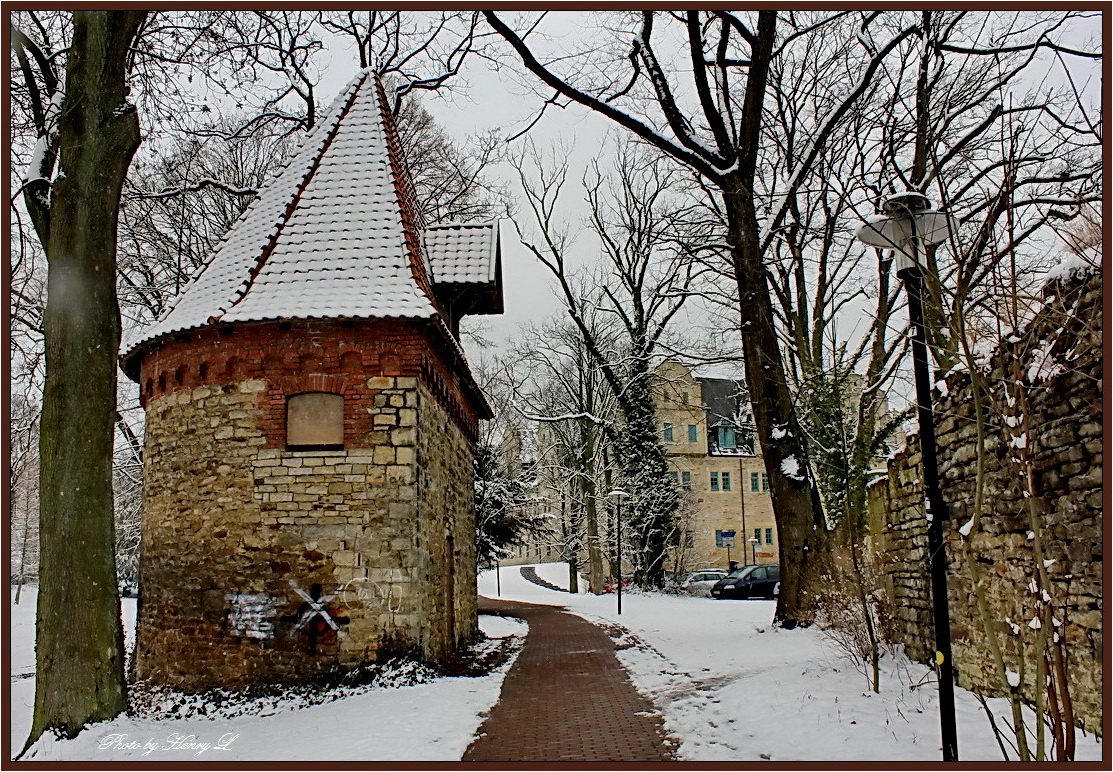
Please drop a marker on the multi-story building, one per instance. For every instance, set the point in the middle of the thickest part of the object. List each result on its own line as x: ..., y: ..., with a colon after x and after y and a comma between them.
x: 727, y: 512
x: 707, y: 430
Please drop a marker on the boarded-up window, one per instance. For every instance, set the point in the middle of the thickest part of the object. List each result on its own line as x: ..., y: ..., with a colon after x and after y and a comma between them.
x: 315, y: 419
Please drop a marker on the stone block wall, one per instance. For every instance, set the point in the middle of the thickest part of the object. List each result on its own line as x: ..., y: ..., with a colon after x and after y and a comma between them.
x: 1059, y: 360
x: 898, y: 544
x: 445, y: 511
x: 262, y: 563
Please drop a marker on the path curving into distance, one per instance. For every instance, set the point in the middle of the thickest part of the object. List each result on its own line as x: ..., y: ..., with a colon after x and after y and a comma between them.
x: 566, y: 698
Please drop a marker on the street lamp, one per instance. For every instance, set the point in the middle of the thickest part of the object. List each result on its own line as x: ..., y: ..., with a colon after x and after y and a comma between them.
x: 618, y: 494
x: 907, y: 225
x: 753, y: 550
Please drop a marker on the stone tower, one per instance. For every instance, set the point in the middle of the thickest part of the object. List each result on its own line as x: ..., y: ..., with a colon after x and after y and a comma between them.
x: 310, y: 425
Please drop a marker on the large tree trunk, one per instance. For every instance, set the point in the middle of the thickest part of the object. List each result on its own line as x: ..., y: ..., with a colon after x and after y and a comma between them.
x: 79, y: 648
x: 796, y: 503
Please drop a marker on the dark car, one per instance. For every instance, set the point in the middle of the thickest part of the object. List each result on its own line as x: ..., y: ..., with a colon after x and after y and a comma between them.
x: 749, y: 582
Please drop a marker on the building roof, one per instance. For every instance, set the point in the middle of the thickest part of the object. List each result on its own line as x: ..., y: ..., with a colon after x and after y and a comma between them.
x: 463, y: 253
x: 332, y: 235
x: 723, y: 399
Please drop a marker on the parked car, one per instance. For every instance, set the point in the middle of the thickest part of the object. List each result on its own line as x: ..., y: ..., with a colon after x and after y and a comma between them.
x: 700, y: 582
x: 749, y: 582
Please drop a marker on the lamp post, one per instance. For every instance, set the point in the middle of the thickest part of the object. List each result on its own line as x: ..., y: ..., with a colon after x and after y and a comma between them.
x: 753, y: 550
x: 907, y: 225
x: 618, y: 494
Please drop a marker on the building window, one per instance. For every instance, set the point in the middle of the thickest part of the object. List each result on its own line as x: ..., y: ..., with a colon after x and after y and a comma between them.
x: 684, y: 394
x: 726, y: 481
x: 315, y: 420
x: 727, y: 440
x: 689, y: 539
x: 714, y: 481
x: 691, y: 433
x: 757, y: 536
x: 768, y: 535
x: 759, y: 483
x: 668, y: 432
x: 675, y: 478
x: 686, y: 480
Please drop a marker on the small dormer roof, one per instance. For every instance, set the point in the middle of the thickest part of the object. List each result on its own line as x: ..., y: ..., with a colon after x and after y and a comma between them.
x: 463, y: 253
x: 466, y: 263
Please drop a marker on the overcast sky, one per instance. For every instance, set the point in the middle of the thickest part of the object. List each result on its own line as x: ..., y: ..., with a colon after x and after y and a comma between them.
x: 482, y: 99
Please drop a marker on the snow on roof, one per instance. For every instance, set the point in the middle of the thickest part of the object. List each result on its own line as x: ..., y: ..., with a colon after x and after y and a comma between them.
x: 326, y: 238
x: 462, y: 253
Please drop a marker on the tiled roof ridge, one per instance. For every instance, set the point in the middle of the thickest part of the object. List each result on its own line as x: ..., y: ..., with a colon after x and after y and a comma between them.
x: 412, y: 223
x: 292, y: 204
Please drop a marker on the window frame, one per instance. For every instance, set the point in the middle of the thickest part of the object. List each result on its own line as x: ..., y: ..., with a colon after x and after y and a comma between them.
x: 309, y: 447
x: 724, y: 443
x: 715, y: 481
x: 666, y: 431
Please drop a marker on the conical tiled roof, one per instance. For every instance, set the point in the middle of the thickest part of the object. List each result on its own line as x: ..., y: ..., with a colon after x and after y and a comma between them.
x: 332, y: 236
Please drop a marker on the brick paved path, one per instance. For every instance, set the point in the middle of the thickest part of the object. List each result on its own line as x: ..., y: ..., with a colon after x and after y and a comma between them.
x: 566, y: 698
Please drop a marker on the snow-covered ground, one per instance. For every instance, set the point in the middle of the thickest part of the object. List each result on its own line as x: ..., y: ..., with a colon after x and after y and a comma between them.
x: 432, y: 721
x: 733, y: 688
x: 729, y: 685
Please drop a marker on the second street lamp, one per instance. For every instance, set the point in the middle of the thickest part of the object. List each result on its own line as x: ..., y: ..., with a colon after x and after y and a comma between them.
x: 618, y: 494
x: 907, y: 225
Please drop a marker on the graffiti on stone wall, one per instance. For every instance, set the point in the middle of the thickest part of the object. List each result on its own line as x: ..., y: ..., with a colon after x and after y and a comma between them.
x: 316, y: 618
x: 386, y: 595
x: 251, y: 615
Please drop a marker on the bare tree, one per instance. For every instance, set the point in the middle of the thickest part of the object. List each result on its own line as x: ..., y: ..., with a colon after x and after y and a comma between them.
x: 418, y: 50
x: 561, y: 388
x: 644, y: 285
x: 24, y: 491
x: 504, y: 481
x: 91, y: 131
x: 1005, y: 153
x: 449, y: 180
x: 715, y: 125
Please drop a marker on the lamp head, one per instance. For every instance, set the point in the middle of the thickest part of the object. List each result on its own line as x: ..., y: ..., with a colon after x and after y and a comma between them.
x: 909, y: 202
x: 619, y: 493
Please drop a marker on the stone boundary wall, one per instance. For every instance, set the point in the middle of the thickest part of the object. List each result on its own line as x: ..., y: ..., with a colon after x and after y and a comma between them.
x: 1059, y: 357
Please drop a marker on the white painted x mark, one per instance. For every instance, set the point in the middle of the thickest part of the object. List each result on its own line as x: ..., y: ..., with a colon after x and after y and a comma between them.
x: 316, y: 608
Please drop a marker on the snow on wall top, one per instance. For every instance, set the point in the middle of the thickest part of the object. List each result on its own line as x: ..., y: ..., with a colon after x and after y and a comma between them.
x: 325, y: 238
x: 462, y: 253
